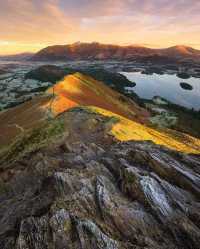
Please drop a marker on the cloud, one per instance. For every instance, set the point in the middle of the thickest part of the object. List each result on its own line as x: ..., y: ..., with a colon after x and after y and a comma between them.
x: 120, y: 21
x: 24, y: 20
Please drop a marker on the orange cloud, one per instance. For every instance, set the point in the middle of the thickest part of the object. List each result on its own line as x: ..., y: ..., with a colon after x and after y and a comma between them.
x: 32, y: 24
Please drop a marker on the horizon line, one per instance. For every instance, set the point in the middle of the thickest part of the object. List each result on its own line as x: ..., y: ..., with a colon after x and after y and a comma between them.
x: 143, y: 45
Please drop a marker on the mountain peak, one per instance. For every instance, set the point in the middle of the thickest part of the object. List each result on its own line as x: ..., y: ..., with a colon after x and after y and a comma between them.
x: 97, y: 51
x: 184, y: 50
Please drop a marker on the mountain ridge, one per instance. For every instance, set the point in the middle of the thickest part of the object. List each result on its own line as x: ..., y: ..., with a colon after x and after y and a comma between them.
x: 78, y: 176
x: 100, y: 51
x: 128, y: 121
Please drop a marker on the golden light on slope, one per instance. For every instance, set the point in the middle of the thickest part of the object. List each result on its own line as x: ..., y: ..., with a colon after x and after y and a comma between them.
x: 125, y: 130
x: 81, y: 90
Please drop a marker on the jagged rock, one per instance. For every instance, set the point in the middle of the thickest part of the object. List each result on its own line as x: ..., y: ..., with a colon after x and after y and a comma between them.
x: 169, y: 168
x: 104, y: 201
x: 61, y: 226
x: 100, y: 194
x: 34, y: 233
x: 94, y: 237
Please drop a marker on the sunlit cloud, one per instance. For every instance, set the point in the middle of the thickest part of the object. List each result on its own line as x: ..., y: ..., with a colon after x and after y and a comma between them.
x: 34, y: 23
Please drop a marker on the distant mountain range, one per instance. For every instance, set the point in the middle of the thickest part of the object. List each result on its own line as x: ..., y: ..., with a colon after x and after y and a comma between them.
x: 97, y: 51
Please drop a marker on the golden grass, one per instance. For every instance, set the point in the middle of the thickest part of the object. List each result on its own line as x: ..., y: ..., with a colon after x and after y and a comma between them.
x: 126, y: 129
x: 81, y: 90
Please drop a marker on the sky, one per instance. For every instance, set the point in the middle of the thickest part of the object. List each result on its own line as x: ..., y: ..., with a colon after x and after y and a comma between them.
x: 29, y: 25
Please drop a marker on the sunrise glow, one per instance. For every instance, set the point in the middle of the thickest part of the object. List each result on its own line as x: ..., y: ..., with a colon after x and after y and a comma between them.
x: 28, y: 26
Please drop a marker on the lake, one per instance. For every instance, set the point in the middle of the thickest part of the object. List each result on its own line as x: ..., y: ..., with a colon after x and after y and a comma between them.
x: 166, y: 86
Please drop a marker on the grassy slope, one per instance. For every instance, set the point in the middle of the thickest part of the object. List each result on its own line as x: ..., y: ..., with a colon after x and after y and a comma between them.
x: 23, y: 117
x: 82, y: 90
x: 74, y: 90
x: 32, y: 140
x: 124, y: 129
x: 79, y: 90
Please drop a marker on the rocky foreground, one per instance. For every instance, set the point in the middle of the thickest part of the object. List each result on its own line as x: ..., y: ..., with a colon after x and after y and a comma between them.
x: 84, y: 189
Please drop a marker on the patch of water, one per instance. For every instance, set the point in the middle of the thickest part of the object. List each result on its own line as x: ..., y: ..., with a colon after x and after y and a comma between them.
x: 167, y: 86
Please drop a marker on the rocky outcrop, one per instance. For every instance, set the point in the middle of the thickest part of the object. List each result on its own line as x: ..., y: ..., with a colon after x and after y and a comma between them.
x: 87, y: 190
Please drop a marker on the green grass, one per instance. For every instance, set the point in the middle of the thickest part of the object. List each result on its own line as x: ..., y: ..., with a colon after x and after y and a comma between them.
x: 33, y: 140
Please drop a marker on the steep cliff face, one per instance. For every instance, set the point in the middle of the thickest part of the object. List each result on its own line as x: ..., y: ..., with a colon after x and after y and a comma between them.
x: 72, y: 184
